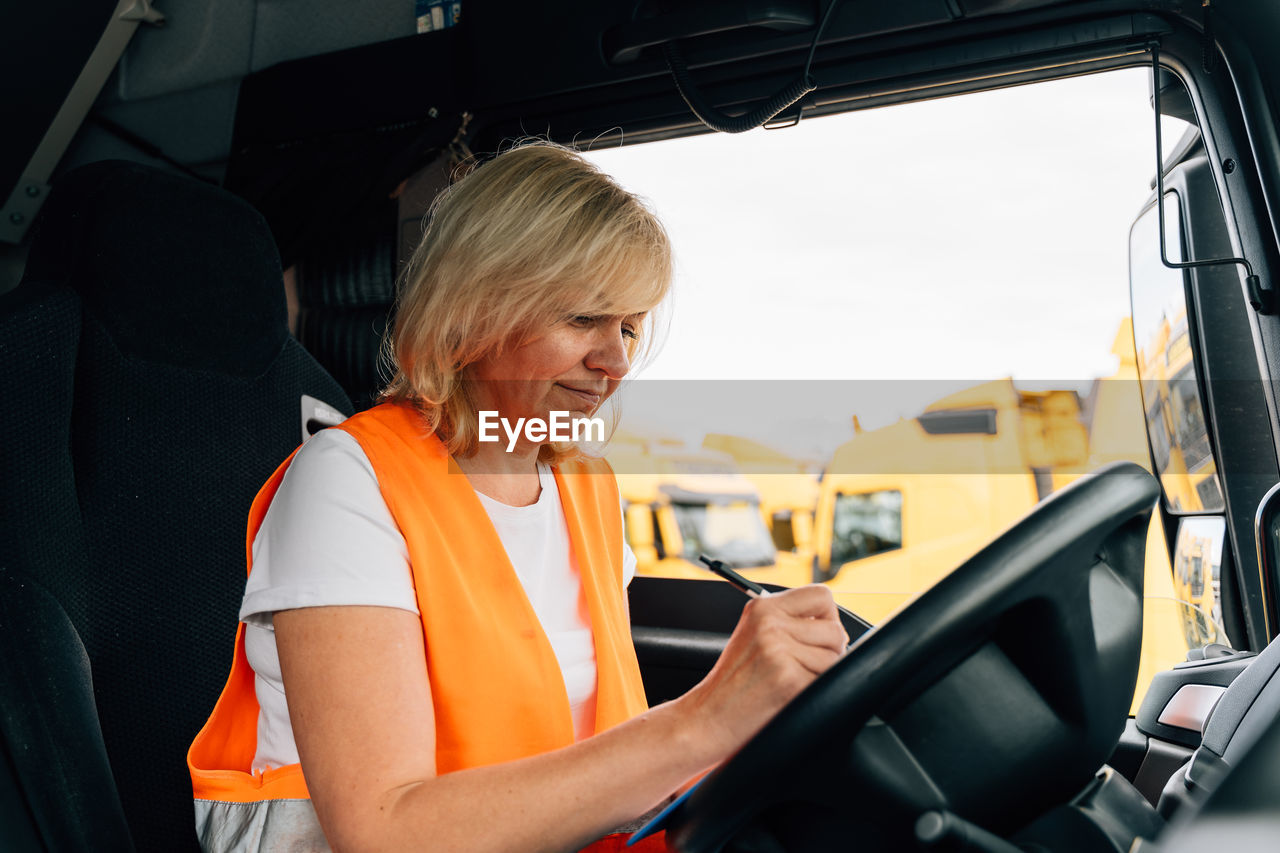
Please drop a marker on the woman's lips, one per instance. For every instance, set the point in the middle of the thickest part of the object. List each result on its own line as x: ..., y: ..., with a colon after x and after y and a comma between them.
x: 590, y: 399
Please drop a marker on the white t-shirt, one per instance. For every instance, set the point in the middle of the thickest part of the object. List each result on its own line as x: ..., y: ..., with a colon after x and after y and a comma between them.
x: 328, y: 538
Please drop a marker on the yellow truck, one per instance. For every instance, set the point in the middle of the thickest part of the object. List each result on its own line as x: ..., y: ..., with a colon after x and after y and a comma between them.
x: 680, y: 503
x: 900, y: 506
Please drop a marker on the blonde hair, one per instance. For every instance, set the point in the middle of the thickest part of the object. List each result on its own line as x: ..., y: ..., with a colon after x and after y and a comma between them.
x: 525, y: 241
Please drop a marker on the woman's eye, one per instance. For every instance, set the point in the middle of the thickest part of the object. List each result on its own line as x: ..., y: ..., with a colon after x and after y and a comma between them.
x: 630, y: 331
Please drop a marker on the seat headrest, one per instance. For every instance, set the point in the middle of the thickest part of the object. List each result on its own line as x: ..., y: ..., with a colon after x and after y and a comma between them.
x: 175, y: 270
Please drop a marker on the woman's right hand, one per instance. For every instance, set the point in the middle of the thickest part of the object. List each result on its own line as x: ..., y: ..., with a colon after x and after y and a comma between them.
x: 781, y: 644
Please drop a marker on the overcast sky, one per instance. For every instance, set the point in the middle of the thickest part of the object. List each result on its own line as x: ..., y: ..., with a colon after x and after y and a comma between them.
x: 955, y: 240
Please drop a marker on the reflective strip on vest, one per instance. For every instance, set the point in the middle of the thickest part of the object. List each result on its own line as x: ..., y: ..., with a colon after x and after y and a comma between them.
x: 290, y: 826
x: 476, y: 619
x: 268, y: 825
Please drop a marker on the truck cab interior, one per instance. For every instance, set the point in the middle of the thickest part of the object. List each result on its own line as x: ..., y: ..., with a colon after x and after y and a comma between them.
x: 203, y: 211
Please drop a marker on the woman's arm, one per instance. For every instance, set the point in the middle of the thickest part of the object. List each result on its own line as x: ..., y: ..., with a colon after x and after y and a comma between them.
x: 360, y: 705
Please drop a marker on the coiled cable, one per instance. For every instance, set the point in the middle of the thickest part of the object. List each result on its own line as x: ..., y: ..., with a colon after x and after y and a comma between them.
x: 718, y: 120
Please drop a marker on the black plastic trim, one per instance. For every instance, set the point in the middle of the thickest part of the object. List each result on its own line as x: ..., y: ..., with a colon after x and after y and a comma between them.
x: 1215, y: 671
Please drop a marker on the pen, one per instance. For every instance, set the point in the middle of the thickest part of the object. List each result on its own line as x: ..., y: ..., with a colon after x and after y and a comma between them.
x: 750, y: 588
x: 753, y: 590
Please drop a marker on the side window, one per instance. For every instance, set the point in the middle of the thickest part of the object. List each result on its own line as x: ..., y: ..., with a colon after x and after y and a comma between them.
x: 866, y: 524
x: 782, y: 529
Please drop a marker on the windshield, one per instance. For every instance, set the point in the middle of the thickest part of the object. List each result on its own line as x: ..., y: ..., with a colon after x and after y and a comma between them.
x: 731, y: 533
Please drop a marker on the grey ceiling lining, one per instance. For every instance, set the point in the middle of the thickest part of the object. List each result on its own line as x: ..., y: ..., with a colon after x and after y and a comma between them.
x: 205, y: 43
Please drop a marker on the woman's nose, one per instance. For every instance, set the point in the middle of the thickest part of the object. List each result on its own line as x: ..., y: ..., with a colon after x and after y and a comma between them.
x: 610, y: 353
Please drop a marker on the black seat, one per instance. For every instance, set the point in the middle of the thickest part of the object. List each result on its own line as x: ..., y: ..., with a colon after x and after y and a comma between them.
x: 187, y: 391
x: 1227, y: 797
x: 56, y: 787
x: 1242, y: 815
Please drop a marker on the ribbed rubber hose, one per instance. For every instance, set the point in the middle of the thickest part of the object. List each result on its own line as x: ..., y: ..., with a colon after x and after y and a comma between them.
x: 717, y: 120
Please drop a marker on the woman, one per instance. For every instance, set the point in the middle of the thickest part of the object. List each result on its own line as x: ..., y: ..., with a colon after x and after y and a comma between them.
x: 447, y: 616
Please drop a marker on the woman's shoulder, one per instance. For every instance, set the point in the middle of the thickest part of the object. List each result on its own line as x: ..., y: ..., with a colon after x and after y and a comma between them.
x: 327, y: 537
x: 330, y: 456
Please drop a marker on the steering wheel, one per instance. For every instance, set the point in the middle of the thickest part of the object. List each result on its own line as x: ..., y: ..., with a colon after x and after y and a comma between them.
x: 990, y: 697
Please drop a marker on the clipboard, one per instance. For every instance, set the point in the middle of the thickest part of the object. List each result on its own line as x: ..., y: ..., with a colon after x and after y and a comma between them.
x: 658, y: 821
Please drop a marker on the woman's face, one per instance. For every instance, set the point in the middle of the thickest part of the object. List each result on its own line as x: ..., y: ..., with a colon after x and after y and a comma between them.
x: 574, y: 366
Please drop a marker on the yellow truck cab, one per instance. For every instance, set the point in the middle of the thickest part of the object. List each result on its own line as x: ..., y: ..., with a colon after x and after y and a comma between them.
x: 900, y: 506
x: 680, y: 504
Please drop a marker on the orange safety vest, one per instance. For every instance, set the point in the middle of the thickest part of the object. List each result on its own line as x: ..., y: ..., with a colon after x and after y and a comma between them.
x: 496, y: 685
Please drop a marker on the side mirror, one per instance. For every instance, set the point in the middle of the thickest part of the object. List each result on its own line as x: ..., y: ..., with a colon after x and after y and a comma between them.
x: 1197, y: 563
